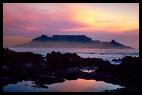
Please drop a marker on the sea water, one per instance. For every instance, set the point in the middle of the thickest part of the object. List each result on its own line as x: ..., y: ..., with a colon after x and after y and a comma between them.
x: 79, y: 85
x: 105, y: 54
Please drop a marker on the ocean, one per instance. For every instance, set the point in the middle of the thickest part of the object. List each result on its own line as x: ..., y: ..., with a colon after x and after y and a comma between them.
x: 105, y: 54
x: 79, y: 85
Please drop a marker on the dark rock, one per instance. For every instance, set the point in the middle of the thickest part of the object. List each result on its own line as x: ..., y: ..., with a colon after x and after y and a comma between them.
x: 57, y: 67
x: 117, y: 60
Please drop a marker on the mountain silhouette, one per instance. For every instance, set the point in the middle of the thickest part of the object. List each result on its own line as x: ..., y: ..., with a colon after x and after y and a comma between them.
x: 66, y: 38
x: 72, y: 41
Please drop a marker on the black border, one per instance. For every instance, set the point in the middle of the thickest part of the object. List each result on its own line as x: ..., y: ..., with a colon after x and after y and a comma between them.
x: 73, y: 1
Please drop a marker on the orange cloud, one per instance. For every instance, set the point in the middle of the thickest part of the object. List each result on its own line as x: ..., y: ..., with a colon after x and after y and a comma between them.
x: 78, y: 29
x: 101, y: 19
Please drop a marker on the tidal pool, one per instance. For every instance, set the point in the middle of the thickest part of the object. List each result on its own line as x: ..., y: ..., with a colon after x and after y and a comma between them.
x: 79, y: 85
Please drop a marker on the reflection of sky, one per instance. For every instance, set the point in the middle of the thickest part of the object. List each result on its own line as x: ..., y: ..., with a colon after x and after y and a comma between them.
x: 103, y: 21
x: 79, y: 85
x: 24, y: 86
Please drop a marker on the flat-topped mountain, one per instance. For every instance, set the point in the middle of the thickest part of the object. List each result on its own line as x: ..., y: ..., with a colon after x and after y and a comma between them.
x: 63, y: 38
x: 71, y: 41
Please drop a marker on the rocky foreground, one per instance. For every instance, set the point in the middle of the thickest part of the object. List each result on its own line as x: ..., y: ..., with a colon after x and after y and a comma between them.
x: 57, y: 67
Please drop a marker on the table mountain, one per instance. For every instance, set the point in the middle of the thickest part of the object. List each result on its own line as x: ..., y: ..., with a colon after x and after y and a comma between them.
x: 72, y: 41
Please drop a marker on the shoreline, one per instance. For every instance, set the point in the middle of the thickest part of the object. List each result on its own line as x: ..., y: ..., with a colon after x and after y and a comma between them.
x: 34, y: 66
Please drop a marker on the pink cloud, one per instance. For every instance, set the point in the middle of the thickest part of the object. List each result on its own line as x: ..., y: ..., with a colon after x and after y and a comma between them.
x: 35, y: 19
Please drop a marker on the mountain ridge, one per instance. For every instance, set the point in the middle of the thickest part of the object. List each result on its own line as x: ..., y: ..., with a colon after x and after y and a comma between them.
x: 72, y: 41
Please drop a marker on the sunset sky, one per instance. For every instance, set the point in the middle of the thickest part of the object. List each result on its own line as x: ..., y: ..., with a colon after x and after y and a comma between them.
x: 100, y: 21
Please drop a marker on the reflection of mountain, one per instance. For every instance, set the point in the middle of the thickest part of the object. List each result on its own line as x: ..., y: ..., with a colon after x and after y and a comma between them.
x: 71, y: 41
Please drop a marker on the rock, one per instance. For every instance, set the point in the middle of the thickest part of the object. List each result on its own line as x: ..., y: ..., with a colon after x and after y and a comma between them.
x: 57, y: 67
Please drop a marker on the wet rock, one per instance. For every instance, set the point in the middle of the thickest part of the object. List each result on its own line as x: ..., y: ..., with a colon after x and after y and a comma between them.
x: 57, y: 67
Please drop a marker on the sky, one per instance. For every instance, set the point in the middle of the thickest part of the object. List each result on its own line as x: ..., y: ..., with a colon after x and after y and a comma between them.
x: 100, y: 21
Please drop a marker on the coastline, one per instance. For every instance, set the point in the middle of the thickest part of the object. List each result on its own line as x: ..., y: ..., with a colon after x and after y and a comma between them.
x: 57, y: 70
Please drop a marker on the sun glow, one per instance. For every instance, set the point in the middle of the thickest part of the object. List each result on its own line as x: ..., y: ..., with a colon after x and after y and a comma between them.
x: 90, y: 19
x: 102, y: 19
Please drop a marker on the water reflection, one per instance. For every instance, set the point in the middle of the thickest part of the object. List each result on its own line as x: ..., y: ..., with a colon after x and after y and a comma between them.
x: 79, y: 85
x: 88, y: 69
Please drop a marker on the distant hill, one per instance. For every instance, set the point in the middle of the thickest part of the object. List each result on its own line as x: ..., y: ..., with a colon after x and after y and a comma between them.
x: 63, y: 38
x: 71, y: 41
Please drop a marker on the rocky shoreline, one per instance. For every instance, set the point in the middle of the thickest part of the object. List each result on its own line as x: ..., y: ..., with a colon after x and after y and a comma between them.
x: 57, y: 67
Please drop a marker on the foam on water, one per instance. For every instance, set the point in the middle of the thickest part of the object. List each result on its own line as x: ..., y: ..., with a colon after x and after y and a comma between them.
x: 105, y: 54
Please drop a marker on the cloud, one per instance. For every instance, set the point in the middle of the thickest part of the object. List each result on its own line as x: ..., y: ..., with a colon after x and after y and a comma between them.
x: 98, y: 21
x: 33, y: 16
